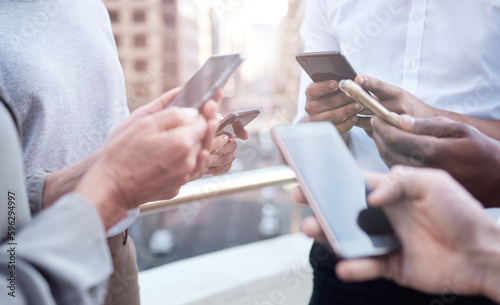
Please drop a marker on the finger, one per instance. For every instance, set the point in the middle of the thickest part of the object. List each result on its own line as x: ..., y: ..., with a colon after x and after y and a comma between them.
x: 229, y: 147
x: 223, y: 160
x: 414, y: 146
x: 329, y: 102
x: 209, y: 110
x: 210, y: 134
x: 381, y: 89
x: 392, y: 157
x: 218, y: 96
x: 174, y: 117
x: 159, y: 104
x: 218, y: 142
x: 359, y: 270
x: 187, y: 136
x: 347, y: 125
x: 200, y: 164
x: 242, y: 134
x: 439, y: 127
x: 337, y: 115
x: 397, y: 187
x: 298, y: 196
x: 219, y: 170
x: 364, y: 122
x: 375, y: 180
x: 311, y: 228
x: 319, y: 89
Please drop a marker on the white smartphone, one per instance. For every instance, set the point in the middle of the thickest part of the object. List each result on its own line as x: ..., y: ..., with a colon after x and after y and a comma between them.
x: 336, y: 189
x: 354, y: 91
x: 212, y: 76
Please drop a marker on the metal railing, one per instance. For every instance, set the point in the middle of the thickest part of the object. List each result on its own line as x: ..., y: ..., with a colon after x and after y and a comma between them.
x: 222, y: 185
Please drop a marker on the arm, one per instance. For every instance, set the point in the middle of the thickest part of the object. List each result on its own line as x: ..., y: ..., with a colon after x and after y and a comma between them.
x: 402, y: 102
x: 61, y: 257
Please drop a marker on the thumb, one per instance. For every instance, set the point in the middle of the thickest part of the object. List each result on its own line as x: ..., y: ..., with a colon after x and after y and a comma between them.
x: 360, y: 270
x: 439, y: 127
x: 174, y: 117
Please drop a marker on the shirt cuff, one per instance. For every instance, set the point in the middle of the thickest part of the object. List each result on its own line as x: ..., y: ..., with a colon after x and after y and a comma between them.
x: 34, y: 183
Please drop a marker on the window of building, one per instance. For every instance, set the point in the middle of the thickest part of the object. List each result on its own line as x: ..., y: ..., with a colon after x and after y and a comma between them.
x: 141, y: 90
x: 139, y: 16
x: 141, y: 65
x: 140, y: 40
x: 170, y: 68
x: 114, y: 16
x: 170, y: 45
x: 170, y: 20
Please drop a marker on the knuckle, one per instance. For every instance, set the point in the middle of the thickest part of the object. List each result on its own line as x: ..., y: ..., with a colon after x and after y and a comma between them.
x: 379, y: 84
x: 310, y: 107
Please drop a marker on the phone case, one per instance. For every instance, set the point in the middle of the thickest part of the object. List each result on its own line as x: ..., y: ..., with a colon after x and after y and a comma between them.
x: 353, y: 90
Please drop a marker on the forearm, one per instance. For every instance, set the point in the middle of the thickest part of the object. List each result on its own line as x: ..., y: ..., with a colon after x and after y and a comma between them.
x: 65, y: 180
x: 490, y: 128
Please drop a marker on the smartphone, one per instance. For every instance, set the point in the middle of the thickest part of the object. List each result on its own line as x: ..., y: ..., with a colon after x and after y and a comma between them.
x: 236, y: 121
x: 353, y: 90
x: 336, y: 189
x: 212, y: 76
x: 321, y: 66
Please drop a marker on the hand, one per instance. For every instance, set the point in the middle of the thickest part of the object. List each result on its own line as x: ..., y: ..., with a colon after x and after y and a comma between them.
x: 222, y: 153
x: 449, y: 245
x: 149, y: 160
x: 325, y: 102
x: 469, y: 156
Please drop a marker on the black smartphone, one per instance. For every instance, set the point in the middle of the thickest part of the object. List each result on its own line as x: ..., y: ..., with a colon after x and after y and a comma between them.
x: 236, y: 121
x: 211, y: 77
x: 321, y: 66
x: 336, y: 189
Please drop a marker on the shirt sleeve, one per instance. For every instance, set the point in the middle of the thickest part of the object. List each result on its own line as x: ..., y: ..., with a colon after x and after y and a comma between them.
x: 60, y: 257
x: 318, y: 36
x: 34, y: 185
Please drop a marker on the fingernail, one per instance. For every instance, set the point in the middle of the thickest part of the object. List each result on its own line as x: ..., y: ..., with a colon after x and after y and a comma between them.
x: 407, y: 120
x: 363, y: 80
x: 358, y: 107
x: 189, y: 111
x: 217, y: 151
x: 334, y: 85
x: 372, y: 120
x: 225, y: 138
x: 355, y: 118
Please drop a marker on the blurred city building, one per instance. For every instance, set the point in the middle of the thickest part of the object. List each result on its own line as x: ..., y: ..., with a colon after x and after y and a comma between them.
x: 162, y: 43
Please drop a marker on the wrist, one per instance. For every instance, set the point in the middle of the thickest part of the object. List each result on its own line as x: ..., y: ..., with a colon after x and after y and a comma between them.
x: 65, y: 180
x: 105, y: 195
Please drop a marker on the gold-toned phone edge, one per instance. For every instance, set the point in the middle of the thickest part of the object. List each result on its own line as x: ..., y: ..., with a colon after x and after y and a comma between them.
x: 353, y: 90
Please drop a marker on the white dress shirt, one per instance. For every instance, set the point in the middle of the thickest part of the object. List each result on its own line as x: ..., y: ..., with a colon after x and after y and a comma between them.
x: 444, y: 52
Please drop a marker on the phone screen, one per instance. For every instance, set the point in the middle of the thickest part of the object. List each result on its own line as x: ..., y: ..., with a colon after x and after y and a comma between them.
x: 205, y: 83
x: 336, y: 189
